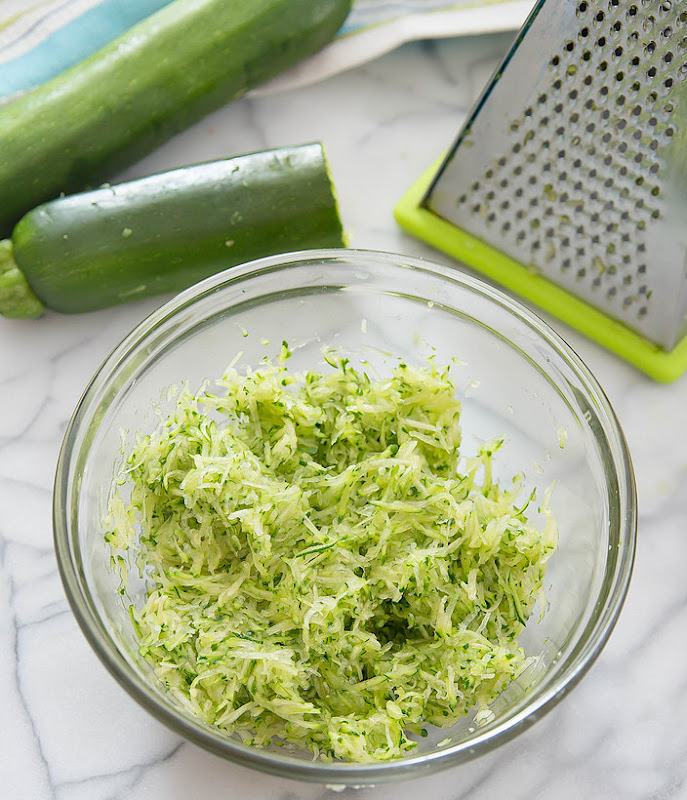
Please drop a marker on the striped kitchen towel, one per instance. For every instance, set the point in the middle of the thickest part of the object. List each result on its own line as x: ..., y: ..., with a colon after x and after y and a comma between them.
x: 41, y: 38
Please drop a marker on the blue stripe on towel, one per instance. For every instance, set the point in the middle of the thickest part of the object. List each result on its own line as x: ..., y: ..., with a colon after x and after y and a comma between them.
x: 73, y: 42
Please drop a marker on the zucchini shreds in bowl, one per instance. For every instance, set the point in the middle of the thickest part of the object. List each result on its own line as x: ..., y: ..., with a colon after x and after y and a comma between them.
x: 326, y: 570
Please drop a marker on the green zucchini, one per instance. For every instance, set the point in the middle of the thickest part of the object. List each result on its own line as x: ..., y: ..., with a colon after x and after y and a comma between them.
x: 162, y: 233
x: 164, y: 74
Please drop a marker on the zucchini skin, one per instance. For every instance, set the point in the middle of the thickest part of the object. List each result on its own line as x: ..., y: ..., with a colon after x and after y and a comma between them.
x: 160, y: 77
x: 162, y: 233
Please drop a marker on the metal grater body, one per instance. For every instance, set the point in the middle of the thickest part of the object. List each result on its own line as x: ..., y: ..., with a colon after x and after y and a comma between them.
x: 574, y: 161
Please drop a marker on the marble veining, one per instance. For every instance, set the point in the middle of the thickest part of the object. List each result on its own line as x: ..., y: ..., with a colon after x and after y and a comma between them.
x: 69, y: 732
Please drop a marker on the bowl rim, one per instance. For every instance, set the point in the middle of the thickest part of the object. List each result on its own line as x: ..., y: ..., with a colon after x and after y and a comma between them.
x: 591, y: 641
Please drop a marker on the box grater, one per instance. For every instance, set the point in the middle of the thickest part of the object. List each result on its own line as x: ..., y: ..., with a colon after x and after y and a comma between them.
x: 568, y: 182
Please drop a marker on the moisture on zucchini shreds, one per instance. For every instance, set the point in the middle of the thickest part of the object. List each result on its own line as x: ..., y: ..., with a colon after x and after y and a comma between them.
x: 326, y: 569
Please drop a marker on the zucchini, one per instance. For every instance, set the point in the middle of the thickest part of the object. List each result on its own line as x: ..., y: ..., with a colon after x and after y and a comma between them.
x: 162, y: 75
x: 162, y: 233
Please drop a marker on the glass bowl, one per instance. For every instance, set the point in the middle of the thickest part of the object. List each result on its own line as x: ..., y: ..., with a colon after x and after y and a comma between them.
x: 518, y: 378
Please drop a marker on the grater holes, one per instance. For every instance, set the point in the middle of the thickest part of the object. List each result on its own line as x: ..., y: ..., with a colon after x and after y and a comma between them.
x: 599, y: 149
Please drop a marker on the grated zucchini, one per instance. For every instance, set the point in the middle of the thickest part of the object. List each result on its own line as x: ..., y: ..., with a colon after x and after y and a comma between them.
x: 326, y: 569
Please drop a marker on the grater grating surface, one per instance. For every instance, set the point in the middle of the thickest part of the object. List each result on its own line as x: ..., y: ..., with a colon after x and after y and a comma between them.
x: 574, y: 161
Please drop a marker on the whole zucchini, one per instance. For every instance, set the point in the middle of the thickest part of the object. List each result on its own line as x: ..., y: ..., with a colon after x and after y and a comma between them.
x: 164, y: 232
x: 165, y: 73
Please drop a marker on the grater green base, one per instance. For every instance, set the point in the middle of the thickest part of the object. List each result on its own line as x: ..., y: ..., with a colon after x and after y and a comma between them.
x: 657, y: 363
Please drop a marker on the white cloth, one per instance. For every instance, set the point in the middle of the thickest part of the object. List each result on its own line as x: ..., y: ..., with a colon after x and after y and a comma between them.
x: 39, y: 40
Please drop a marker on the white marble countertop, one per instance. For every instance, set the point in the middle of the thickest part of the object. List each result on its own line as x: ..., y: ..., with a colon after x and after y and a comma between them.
x: 69, y: 732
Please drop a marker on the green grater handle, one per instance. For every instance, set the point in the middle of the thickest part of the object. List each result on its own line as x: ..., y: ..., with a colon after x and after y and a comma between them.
x: 659, y: 364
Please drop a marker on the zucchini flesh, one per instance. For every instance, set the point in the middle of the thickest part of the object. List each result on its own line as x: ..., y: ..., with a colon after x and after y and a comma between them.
x: 162, y: 233
x: 164, y: 74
